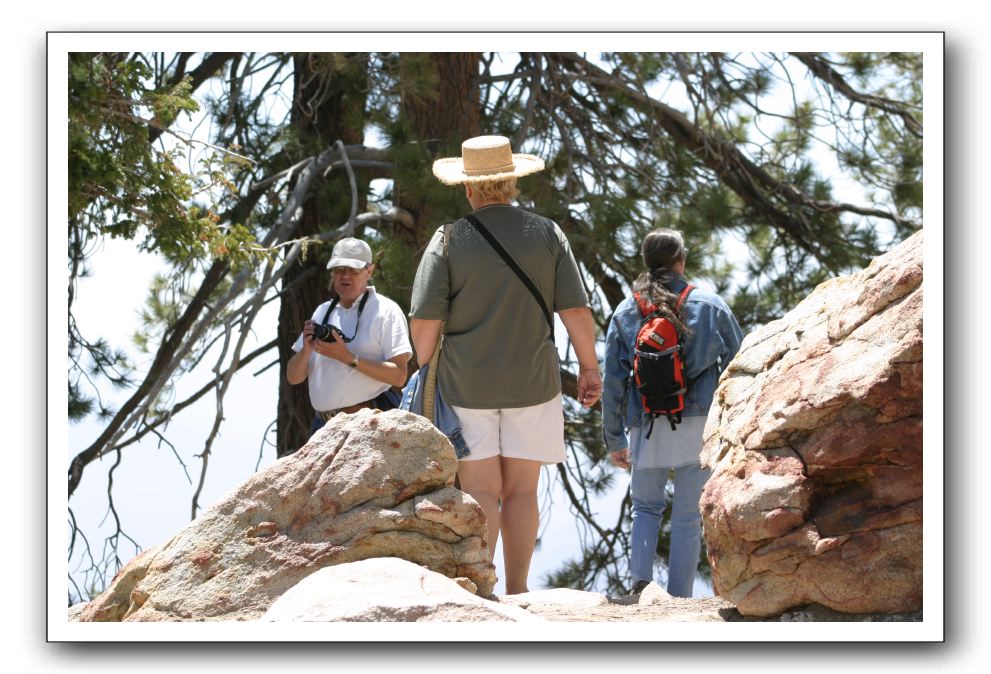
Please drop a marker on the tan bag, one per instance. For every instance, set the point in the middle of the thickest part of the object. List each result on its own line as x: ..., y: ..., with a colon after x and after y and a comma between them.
x: 430, y: 385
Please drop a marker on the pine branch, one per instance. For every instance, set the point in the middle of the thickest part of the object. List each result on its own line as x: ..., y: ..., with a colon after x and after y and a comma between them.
x: 819, y: 67
x: 204, y: 71
x: 780, y: 203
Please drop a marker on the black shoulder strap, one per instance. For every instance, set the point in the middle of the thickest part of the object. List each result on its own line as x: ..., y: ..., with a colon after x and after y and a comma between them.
x: 333, y: 303
x: 516, y: 269
x: 330, y: 309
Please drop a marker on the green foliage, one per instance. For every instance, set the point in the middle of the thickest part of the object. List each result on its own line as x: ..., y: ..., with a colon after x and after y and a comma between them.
x: 411, y: 161
x: 616, y: 167
x: 80, y: 406
x: 119, y: 183
x: 395, y: 268
x: 417, y: 78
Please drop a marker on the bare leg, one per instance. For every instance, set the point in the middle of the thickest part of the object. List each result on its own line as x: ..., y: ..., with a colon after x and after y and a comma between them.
x: 520, y: 519
x: 482, y: 480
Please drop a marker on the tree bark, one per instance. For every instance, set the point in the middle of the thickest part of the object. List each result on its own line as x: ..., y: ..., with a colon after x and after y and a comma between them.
x: 328, y: 105
x: 440, y: 119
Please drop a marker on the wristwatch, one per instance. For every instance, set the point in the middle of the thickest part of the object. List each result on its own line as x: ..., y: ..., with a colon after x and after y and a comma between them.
x: 354, y: 362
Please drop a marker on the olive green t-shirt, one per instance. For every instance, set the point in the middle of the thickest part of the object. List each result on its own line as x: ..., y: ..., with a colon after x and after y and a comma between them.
x: 497, y: 351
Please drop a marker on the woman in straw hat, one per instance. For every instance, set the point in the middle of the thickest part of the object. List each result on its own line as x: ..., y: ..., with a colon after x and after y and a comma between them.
x: 499, y: 367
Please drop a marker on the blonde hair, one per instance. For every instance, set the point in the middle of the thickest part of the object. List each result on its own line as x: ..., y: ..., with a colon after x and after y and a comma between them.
x: 496, y: 190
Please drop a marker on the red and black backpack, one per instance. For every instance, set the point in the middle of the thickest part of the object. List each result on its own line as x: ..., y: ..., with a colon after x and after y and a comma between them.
x: 658, y: 362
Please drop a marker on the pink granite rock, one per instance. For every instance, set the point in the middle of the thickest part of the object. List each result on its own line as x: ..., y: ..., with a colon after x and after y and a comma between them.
x: 367, y: 485
x: 815, y: 442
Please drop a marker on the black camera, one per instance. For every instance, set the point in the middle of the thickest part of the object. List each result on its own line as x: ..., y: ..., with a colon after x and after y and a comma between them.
x: 324, y: 332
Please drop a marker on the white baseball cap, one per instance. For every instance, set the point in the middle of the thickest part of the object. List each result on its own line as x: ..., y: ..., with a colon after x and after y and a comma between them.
x: 350, y: 252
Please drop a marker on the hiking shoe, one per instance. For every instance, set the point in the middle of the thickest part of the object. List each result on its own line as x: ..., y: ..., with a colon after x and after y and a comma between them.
x: 638, y: 588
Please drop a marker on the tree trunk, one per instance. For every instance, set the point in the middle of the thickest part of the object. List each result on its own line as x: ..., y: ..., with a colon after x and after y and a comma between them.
x: 328, y: 105
x: 442, y: 112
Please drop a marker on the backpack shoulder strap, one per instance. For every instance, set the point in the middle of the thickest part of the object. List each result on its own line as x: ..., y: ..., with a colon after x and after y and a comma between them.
x: 508, y: 259
x: 684, y: 296
x: 644, y: 304
x: 648, y: 308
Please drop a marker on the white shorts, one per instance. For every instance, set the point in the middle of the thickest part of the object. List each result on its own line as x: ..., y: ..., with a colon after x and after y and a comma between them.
x: 535, y: 432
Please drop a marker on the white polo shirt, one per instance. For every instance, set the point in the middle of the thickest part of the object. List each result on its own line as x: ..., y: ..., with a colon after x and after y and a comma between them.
x: 381, y: 334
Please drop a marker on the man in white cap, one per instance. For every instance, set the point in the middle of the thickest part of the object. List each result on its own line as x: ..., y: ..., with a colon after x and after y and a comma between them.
x: 496, y: 281
x: 356, y: 345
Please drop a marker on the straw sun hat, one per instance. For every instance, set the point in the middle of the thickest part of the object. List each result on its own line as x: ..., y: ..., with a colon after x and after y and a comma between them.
x: 485, y: 158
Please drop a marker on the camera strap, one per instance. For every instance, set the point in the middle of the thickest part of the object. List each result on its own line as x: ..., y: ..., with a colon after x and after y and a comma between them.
x: 333, y: 305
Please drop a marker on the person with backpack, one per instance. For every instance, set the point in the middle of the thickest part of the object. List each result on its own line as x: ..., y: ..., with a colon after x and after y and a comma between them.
x: 666, y: 347
x: 491, y: 280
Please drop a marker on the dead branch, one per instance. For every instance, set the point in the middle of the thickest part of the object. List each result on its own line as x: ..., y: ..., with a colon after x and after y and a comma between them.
x: 199, y: 316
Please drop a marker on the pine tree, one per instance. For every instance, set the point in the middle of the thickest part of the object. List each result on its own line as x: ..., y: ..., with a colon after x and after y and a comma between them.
x: 739, y: 151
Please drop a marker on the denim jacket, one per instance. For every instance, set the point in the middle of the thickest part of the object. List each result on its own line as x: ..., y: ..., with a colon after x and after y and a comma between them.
x: 446, y: 419
x: 714, y: 340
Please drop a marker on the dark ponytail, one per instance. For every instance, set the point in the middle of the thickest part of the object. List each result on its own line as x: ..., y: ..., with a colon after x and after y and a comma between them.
x: 661, y: 250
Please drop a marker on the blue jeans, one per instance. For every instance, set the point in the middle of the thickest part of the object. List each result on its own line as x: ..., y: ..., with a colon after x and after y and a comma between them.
x: 649, y: 500
x: 316, y: 424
